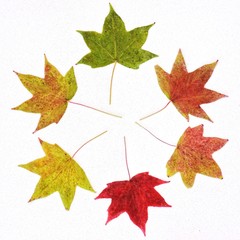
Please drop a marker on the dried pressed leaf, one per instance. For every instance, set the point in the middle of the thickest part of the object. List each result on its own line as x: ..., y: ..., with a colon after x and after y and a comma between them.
x: 59, y: 173
x: 193, y: 155
x: 186, y: 90
x: 115, y: 44
x: 134, y: 197
x: 50, y: 94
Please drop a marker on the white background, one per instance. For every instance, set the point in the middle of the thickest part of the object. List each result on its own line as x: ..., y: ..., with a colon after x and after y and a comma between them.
x: 205, y: 30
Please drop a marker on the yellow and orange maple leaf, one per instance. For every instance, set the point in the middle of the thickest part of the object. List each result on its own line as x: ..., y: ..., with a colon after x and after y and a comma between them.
x: 193, y: 155
x: 59, y: 172
x: 186, y: 89
x: 50, y: 94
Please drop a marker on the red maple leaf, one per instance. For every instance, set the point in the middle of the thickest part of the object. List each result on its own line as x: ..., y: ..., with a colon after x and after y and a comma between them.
x: 134, y: 197
x: 186, y: 89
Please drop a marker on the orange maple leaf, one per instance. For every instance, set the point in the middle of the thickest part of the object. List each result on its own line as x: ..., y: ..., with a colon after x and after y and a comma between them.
x: 186, y: 89
x: 193, y: 155
x: 50, y: 94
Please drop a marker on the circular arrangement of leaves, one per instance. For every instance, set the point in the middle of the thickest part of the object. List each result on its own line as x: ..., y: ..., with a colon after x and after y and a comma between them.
x: 51, y: 95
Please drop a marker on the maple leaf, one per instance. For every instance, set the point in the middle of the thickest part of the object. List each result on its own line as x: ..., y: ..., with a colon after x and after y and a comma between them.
x: 186, y: 89
x: 134, y: 197
x: 50, y: 94
x: 193, y: 155
x: 59, y: 172
x: 115, y: 44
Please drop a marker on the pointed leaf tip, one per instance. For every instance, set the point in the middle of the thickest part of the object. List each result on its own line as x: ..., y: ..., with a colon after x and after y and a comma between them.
x: 111, y: 7
x: 45, y: 59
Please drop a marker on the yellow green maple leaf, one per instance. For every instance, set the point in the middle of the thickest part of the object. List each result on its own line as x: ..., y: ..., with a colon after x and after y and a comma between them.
x: 50, y: 94
x: 59, y: 173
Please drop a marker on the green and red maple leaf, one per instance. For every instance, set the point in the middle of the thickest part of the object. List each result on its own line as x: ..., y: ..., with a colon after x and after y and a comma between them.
x: 50, y: 94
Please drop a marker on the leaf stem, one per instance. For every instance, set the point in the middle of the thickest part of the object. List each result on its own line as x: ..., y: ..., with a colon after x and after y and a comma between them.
x: 95, y: 109
x: 150, y: 115
x: 88, y: 142
x: 125, y: 147
x: 111, y: 83
x: 172, y: 145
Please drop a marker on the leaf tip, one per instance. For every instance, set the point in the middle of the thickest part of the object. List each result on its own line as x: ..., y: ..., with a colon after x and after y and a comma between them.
x: 80, y: 31
x: 45, y: 58
x: 157, y: 67
x: 151, y: 24
x: 108, y: 220
x: 40, y: 140
x: 111, y: 7
x: 31, y: 199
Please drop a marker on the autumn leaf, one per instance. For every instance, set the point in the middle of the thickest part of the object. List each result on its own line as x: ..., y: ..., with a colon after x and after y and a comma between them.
x: 193, y: 155
x: 59, y: 173
x: 50, y: 94
x: 186, y: 89
x: 115, y: 44
x: 134, y: 197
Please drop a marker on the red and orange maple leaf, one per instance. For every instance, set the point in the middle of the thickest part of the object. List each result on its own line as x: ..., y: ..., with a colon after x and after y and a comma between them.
x: 186, y: 89
x: 193, y: 155
x: 134, y: 197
